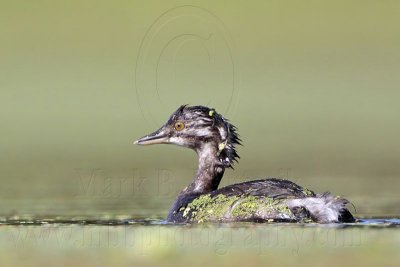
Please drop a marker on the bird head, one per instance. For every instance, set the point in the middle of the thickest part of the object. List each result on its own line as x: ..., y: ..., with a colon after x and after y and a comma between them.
x: 198, y: 128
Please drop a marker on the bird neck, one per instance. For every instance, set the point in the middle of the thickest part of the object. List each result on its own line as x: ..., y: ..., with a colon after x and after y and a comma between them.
x: 209, y: 172
x: 206, y: 180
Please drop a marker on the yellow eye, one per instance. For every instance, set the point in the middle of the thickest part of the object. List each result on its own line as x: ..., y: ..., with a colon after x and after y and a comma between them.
x: 179, y: 126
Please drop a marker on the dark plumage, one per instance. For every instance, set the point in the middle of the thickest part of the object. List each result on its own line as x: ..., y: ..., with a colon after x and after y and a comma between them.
x: 215, y: 139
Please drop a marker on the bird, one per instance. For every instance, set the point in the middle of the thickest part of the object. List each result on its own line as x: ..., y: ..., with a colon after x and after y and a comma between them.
x: 215, y: 139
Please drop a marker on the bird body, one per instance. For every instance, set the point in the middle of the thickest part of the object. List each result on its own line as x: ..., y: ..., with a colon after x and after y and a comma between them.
x: 267, y: 200
x: 214, y: 139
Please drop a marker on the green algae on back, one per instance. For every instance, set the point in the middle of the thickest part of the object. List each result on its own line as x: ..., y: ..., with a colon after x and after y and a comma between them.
x: 207, y: 208
x: 222, y: 208
x: 308, y: 192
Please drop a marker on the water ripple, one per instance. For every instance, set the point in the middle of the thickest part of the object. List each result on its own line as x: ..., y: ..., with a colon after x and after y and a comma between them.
x: 365, y: 222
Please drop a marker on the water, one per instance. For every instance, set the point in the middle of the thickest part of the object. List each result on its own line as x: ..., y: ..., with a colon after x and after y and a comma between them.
x: 79, y: 241
x: 92, y: 219
x: 367, y: 222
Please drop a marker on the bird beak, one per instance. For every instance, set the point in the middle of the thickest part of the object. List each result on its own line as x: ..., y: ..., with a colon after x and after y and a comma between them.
x: 158, y: 137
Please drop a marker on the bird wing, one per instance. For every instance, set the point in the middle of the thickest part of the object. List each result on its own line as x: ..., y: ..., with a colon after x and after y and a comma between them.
x: 273, y: 188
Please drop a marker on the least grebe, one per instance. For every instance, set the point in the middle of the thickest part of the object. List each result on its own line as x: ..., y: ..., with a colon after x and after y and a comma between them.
x: 215, y: 139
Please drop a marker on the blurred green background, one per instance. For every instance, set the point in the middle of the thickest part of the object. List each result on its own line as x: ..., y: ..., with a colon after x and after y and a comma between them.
x: 313, y: 87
